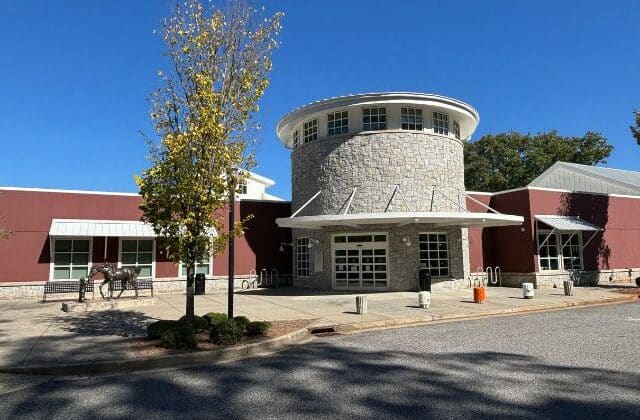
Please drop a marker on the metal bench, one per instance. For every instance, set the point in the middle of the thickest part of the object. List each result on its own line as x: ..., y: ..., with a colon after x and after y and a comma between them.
x: 66, y: 286
x: 143, y: 284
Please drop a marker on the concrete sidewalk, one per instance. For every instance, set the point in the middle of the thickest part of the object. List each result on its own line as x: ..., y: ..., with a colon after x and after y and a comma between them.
x: 37, y: 334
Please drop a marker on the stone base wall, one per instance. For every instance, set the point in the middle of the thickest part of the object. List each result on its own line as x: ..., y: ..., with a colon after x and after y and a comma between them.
x: 586, y: 278
x: 34, y: 290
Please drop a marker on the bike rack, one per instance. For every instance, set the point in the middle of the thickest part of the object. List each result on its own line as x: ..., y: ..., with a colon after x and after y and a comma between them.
x: 272, y: 274
x: 264, y: 278
x: 490, y: 274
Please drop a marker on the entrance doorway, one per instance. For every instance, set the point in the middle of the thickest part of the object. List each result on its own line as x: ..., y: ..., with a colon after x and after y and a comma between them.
x: 360, y: 261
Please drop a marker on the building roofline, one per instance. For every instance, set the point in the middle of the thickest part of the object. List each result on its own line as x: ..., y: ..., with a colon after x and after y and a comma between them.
x: 554, y: 190
x: 63, y: 191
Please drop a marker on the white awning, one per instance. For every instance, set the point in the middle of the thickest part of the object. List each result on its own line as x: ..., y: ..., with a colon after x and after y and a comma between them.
x: 567, y: 223
x: 102, y: 228
x: 462, y: 219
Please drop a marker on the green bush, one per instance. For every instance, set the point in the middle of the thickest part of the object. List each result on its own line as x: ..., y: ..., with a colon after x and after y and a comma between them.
x: 199, y: 323
x: 258, y: 327
x: 156, y: 329
x: 226, y: 332
x: 179, y: 337
x: 241, y: 322
x: 214, y: 317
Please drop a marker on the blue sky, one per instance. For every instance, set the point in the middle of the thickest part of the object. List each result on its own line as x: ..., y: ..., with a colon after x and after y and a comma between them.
x: 75, y: 75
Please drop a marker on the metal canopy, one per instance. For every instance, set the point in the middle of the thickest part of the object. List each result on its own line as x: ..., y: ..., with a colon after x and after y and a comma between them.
x: 103, y: 228
x: 462, y: 219
x: 567, y: 223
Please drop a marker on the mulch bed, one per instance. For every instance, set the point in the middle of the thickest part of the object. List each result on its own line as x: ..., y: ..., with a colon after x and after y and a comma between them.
x: 144, y: 347
x: 628, y: 291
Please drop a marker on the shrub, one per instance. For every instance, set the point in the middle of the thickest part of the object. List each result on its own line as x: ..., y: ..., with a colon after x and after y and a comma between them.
x: 199, y: 323
x: 258, y: 327
x: 241, y: 322
x: 156, y: 329
x: 213, y: 317
x: 179, y: 337
x: 226, y: 332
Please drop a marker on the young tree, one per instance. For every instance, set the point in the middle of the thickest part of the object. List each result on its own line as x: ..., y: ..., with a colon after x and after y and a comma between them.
x: 204, y: 118
x: 511, y: 160
x: 635, y: 130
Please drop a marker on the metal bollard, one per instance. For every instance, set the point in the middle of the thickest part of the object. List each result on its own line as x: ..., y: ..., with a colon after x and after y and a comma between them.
x: 361, y: 305
x: 424, y: 299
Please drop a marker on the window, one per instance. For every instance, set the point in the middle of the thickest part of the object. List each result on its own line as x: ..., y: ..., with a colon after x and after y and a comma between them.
x: 561, y: 251
x: 203, y: 266
x: 310, y: 132
x: 440, y: 123
x: 70, y: 259
x: 296, y: 138
x: 548, y: 251
x: 410, y: 118
x: 360, y: 261
x: 456, y: 129
x: 338, y: 123
x: 242, y: 187
x: 374, y: 119
x: 138, y: 253
x: 302, y: 257
x: 434, y: 253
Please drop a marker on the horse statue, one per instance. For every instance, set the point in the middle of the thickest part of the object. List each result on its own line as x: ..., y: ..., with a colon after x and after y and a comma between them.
x: 112, y: 274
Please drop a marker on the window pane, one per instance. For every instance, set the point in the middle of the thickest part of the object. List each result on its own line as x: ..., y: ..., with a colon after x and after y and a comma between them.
x: 60, y: 273
x: 62, y: 258
x: 62, y: 245
x: 202, y: 269
x: 80, y: 258
x: 145, y: 246
x: 128, y: 258
x: 129, y: 246
x: 145, y: 271
x: 77, y: 272
x: 81, y: 246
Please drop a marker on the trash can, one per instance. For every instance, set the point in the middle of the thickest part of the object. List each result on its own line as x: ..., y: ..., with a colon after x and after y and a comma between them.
x: 424, y: 280
x: 199, y: 286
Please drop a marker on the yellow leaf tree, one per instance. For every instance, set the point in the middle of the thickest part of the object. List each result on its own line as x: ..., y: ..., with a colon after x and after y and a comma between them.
x: 203, y: 113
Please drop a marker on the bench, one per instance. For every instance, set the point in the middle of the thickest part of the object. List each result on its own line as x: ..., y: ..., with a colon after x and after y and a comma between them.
x: 143, y: 284
x: 66, y: 286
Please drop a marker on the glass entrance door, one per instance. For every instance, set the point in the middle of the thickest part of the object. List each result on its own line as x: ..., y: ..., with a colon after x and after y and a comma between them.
x: 360, y: 261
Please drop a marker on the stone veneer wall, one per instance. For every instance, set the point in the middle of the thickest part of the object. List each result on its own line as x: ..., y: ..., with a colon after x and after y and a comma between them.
x: 402, y: 260
x: 587, y: 278
x: 375, y: 163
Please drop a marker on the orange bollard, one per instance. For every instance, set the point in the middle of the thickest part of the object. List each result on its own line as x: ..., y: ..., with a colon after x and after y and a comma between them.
x: 478, y: 294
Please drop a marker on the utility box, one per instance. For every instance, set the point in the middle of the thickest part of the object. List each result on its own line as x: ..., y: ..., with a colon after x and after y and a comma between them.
x: 200, y: 283
x: 424, y: 280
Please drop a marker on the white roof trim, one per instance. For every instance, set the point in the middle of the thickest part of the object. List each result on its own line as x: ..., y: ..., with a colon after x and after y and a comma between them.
x: 53, y: 190
x: 567, y: 223
x: 103, y: 228
x: 462, y: 219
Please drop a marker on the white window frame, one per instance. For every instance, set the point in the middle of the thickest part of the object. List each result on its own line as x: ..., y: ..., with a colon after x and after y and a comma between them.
x: 52, y: 240
x: 559, y: 249
x: 182, y: 270
x: 456, y: 129
x: 340, y: 120
x: 153, y: 252
x: 440, y: 123
x: 296, y: 138
x: 310, y: 130
x: 348, y: 246
x: 377, y: 112
x: 417, y: 114
x: 300, y: 244
x: 429, y: 259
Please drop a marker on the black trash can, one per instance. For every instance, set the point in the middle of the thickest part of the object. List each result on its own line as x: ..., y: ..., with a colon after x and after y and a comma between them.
x: 199, y: 286
x: 424, y: 280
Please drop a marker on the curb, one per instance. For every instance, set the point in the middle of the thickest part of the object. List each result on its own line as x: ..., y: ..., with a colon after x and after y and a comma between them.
x: 358, y: 327
x: 164, y: 362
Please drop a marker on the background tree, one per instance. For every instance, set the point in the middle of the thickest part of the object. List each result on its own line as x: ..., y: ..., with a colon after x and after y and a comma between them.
x: 635, y: 130
x: 204, y: 119
x: 511, y: 160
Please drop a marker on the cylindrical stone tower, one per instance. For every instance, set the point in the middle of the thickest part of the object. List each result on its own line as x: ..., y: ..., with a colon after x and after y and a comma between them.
x: 382, y: 171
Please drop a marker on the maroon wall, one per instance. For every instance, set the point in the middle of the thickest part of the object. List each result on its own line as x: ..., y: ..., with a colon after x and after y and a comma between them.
x: 28, y: 214
x: 617, y: 247
x: 479, y: 255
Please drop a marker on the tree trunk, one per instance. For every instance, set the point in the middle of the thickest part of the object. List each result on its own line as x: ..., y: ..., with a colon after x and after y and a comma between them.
x: 191, y: 269
x: 232, y: 237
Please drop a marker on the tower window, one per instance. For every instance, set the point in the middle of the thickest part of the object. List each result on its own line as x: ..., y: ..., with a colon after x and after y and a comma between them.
x: 410, y: 118
x: 374, y: 118
x: 338, y: 123
x: 441, y: 123
x: 310, y: 130
x: 456, y: 129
